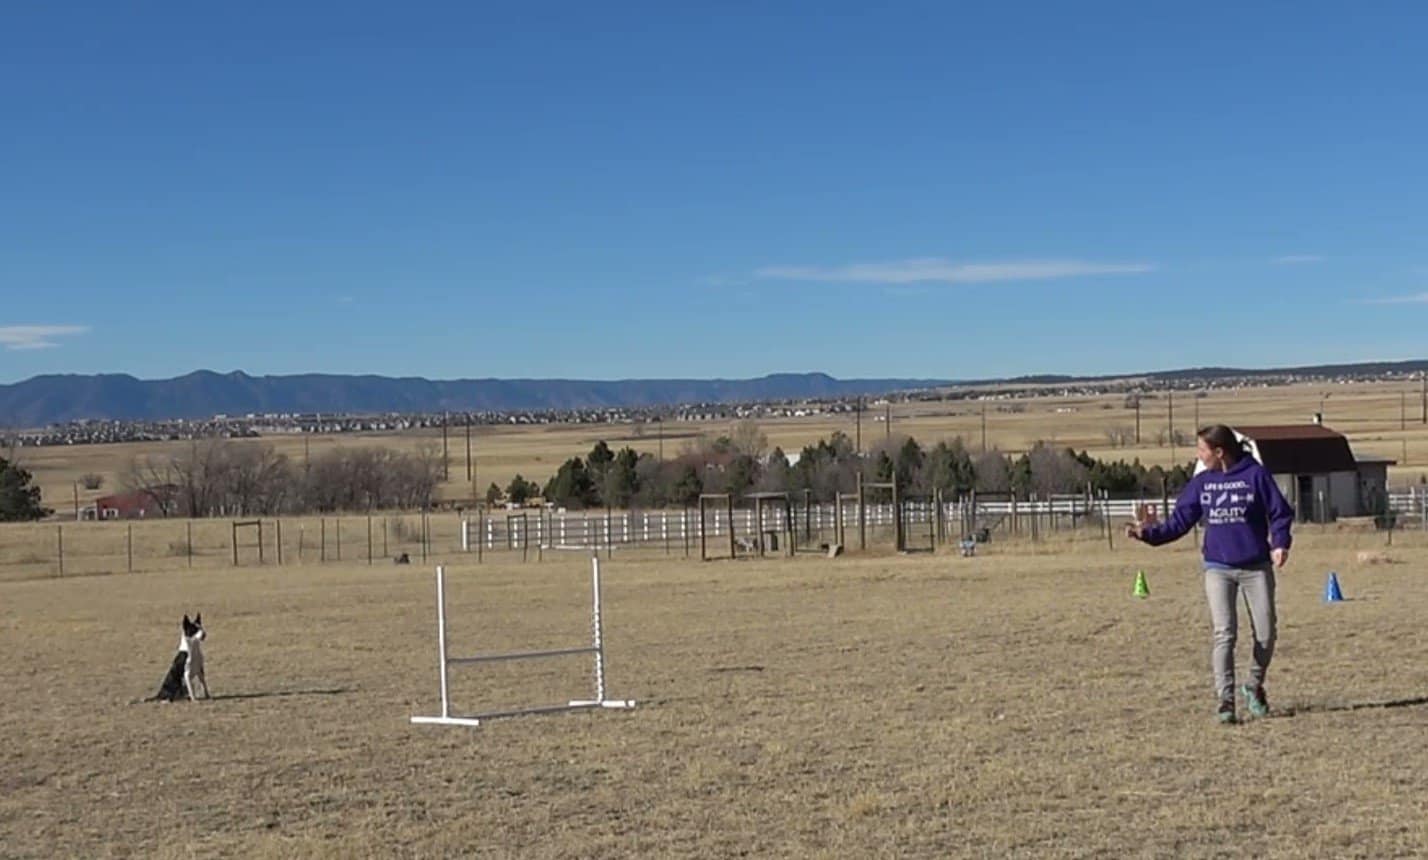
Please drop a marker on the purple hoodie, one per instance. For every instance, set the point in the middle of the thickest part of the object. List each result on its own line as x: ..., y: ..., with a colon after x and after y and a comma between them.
x: 1243, y: 510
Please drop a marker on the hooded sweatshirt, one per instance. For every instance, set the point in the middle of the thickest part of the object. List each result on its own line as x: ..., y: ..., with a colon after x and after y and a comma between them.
x: 1244, y: 514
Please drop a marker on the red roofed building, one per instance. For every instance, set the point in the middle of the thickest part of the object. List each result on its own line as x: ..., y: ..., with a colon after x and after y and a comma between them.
x: 133, y: 505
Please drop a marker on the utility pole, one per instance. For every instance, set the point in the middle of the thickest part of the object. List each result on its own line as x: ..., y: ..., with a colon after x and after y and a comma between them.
x: 660, y: 420
x: 445, y: 458
x: 858, y: 418
x: 887, y: 419
x: 984, y: 426
x: 1171, y: 402
x: 468, y: 446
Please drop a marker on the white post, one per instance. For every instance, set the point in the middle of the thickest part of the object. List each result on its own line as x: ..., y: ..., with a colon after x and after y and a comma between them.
x: 596, y: 627
x: 441, y: 637
x: 465, y: 535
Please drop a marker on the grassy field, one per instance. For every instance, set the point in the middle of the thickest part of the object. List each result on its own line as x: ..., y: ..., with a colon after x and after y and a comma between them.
x: 1378, y: 418
x: 1021, y: 703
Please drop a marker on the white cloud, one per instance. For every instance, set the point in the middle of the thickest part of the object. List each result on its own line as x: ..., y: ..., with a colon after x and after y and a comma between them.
x: 1415, y: 299
x: 1296, y: 259
x: 939, y: 270
x: 18, y: 337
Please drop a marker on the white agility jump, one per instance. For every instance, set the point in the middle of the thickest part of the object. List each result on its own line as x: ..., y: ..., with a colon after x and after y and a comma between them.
x: 597, y: 648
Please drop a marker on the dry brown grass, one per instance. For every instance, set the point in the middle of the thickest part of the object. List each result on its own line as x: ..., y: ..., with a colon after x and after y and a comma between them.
x: 1368, y: 413
x: 1019, y: 703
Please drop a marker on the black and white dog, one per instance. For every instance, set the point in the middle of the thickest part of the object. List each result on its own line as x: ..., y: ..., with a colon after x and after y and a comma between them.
x: 185, y: 675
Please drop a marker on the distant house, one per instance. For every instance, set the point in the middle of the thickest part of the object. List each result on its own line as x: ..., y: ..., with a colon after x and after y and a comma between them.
x: 1317, y: 470
x: 133, y: 505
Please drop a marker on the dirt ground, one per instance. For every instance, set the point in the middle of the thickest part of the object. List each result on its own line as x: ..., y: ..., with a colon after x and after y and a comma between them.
x: 1021, y: 703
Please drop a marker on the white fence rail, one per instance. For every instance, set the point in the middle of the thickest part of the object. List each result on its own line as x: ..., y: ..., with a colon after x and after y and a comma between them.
x: 514, y: 530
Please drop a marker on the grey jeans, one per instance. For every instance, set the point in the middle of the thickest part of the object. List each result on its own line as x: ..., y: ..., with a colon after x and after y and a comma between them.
x: 1221, y: 588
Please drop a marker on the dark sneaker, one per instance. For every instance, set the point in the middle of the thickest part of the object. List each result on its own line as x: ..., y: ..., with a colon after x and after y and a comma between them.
x: 1255, y: 700
x: 1226, y: 712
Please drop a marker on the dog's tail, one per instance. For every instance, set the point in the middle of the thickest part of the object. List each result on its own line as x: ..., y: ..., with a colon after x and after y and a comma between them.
x: 154, y: 698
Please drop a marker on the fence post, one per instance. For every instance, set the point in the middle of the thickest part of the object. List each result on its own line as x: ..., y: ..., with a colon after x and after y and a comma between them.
x: 322, y: 537
x: 59, y: 542
x: 899, y: 538
x: 189, y: 532
x: 1106, y: 514
x: 129, y: 545
x: 862, y: 516
x: 369, y: 538
x: 278, y: 540
x: 235, y: 544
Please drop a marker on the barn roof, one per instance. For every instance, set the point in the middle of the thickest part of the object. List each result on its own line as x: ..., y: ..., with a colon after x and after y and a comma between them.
x: 1300, y: 449
x: 1278, y: 432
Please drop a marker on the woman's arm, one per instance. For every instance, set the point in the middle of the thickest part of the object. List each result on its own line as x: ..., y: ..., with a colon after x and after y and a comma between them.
x: 1186, y: 514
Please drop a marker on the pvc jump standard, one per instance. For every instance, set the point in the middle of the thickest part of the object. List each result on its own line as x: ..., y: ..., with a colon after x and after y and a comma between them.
x: 597, y: 648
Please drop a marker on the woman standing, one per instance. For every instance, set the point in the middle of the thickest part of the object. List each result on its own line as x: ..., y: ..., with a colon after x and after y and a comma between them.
x: 1247, y: 522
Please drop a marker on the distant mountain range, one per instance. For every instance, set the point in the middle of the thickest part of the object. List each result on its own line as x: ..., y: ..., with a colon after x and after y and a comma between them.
x: 45, y: 400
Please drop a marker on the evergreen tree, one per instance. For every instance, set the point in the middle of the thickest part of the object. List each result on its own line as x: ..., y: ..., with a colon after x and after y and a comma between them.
x: 19, y: 497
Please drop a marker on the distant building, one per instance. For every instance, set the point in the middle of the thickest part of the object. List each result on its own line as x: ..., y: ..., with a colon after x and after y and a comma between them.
x: 1317, y: 470
x: 133, y: 505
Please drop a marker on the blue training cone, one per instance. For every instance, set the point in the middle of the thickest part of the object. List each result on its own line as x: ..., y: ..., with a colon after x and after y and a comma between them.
x: 1332, y: 592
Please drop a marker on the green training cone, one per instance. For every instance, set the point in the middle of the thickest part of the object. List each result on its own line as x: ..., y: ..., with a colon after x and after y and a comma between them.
x: 1141, y: 588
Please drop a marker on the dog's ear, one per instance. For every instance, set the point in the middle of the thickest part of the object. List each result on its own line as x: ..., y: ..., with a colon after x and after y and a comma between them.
x: 186, y: 622
x: 198, y: 619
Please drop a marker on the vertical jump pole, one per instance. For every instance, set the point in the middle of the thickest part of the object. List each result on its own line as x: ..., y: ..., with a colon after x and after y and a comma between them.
x: 599, y: 643
x: 441, y: 636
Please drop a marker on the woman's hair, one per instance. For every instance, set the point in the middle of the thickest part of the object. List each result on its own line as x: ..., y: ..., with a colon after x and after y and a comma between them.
x: 1220, y: 436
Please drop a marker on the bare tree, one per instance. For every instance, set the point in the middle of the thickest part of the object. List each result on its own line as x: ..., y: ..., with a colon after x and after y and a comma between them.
x: 747, y: 438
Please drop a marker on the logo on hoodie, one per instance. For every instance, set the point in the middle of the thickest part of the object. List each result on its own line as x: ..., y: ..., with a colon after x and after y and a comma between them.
x: 1226, y: 502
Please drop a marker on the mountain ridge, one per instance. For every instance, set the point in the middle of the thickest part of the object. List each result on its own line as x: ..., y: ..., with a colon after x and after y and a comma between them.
x: 56, y: 398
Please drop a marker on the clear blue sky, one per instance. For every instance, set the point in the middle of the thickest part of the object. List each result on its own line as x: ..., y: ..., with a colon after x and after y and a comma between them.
x: 647, y: 190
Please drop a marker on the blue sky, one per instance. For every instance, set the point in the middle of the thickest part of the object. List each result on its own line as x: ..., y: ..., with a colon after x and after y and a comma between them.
x: 716, y: 190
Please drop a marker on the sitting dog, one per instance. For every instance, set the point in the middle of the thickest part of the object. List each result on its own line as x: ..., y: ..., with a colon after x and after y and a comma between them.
x: 186, y: 672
